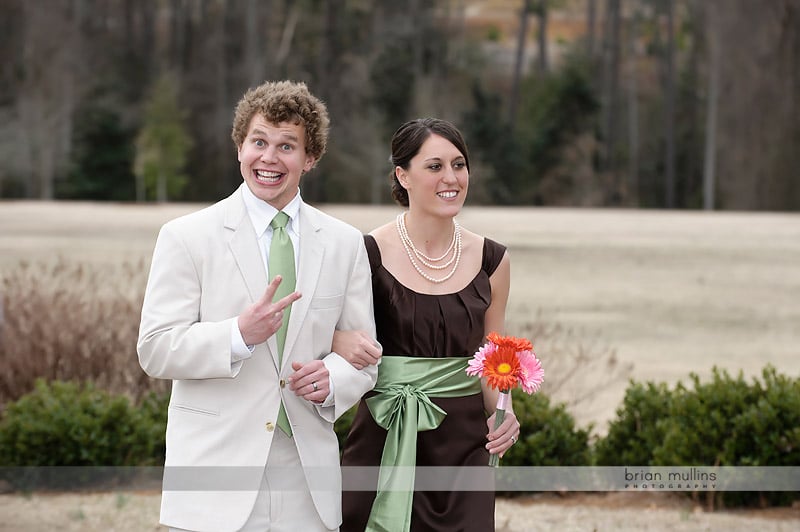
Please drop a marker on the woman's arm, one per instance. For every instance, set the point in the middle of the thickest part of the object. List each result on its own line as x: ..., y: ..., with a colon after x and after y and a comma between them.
x: 495, y: 317
x: 500, y: 439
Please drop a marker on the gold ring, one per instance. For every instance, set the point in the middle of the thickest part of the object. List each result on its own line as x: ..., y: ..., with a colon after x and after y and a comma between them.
x: 314, y: 385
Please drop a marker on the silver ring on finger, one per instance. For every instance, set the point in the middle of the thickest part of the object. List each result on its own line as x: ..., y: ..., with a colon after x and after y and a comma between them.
x: 513, y: 440
x: 314, y: 385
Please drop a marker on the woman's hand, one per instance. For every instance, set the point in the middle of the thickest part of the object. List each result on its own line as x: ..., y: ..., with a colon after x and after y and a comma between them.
x: 506, y: 435
x: 357, y: 347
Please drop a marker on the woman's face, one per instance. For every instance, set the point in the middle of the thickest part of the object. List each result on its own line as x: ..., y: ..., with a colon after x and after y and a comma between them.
x: 437, y: 178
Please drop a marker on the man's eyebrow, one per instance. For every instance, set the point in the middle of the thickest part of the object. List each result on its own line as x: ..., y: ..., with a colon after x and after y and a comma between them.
x: 288, y: 136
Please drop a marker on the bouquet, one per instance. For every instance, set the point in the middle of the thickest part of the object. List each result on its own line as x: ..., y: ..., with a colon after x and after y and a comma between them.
x: 506, y: 362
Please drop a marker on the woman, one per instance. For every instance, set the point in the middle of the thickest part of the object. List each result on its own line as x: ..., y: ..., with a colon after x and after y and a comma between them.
x: 438, y: 290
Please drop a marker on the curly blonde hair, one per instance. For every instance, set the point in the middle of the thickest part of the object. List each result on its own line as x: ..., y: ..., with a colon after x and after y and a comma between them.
x: 284, y: 101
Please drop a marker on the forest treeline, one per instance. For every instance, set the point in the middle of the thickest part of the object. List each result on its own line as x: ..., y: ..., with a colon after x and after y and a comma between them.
x: 654, y: 103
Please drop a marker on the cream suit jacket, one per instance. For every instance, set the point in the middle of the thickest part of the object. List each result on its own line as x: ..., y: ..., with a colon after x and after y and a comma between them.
x: 206, y: 269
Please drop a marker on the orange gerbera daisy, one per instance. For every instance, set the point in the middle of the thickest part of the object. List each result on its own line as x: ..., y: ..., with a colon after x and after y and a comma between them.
x: 517, y: 344
x: 501, y: 368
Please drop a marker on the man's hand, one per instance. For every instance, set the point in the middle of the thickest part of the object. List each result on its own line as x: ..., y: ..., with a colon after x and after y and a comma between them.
x: 311, y: 381
x: 356, y: 347
x: 262, y: 319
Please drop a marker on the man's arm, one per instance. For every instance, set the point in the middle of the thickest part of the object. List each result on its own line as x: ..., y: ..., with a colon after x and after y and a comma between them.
x: 349, y: 383
x: 173, y: 343
x: 357, y: 347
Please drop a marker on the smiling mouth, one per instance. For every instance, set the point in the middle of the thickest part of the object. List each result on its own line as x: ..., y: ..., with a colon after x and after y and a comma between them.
x: 449, y: 194
x: 263, y: 176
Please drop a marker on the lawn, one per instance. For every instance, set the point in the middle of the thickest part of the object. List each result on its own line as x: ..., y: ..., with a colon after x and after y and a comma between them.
x: 663, y: 293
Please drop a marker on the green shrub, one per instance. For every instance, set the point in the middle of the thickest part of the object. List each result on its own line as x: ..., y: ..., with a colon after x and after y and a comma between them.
x: 68, y: 424
x: 548, y: 436
x: 637, y: 429
x: 153, y: 426
x: 767, y: 431
x: 700, y: 421
x: 723, y: 422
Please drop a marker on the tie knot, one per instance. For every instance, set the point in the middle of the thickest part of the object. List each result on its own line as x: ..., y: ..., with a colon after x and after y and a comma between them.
x: 280, y: 220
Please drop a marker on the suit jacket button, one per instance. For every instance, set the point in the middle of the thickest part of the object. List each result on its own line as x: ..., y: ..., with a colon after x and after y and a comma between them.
x: 282, y: 383
x: 270, y: 426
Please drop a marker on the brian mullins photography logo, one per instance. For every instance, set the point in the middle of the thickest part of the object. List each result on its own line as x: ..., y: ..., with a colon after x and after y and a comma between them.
x: 674, y: 478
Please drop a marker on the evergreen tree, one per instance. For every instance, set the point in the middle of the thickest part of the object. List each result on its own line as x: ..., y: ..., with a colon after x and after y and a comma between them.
x: 163, y: 144
x: 102, y: 158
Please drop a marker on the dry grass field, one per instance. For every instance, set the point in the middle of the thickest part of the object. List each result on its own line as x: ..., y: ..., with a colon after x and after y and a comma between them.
x: 668, y: 293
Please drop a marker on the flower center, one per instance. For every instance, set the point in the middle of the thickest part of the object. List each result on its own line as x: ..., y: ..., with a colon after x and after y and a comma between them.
x: 504, y: 368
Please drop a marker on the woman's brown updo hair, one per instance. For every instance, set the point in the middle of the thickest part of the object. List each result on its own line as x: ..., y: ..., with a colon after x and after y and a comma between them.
x: 407, y: 141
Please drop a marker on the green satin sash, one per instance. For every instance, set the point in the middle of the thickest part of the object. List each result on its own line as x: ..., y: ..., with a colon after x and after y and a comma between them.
x: 403, y: 407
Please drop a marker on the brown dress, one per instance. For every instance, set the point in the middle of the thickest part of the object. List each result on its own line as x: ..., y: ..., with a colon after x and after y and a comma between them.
x: 423, y: 325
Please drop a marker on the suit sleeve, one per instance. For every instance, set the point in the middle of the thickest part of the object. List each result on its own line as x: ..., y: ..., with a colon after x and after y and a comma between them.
x: 357, y: 314
x: 173, y: 343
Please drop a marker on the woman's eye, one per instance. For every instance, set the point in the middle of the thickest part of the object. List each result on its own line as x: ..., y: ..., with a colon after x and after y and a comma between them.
x: 460, y: 165
x: 435, y: 166
x: 286, y: 147
x: 260, y: 143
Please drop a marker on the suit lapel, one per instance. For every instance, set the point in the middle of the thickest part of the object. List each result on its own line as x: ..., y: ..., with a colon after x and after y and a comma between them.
x: 312, y: 252
x: 243, y: 244
x: 244, y: 247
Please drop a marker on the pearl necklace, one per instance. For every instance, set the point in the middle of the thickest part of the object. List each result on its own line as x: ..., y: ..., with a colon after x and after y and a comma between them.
x: 423, y: 258
x: 412, y: 251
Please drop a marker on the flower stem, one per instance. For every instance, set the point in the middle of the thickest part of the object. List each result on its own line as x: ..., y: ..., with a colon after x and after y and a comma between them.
x: 499, y: 416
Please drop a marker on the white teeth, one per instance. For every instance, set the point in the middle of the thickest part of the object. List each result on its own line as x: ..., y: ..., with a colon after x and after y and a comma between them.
x: 448, y: 194
x: 267, y: 175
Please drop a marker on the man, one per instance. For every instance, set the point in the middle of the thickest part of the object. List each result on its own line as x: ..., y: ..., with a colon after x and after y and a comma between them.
x: 251, y: 400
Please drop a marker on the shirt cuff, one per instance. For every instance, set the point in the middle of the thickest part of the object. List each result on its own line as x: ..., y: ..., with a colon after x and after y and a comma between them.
x: 239, y: 350
x: 329, y: 401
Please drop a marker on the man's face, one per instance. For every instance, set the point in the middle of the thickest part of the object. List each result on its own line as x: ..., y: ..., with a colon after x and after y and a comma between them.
x: 272, y: 159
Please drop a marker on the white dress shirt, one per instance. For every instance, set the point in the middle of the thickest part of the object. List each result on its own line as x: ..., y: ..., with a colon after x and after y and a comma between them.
x: 261, y: 214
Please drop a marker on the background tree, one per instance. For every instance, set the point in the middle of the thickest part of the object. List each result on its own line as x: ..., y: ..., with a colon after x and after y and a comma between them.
x: 560, y: 111
x: 710, y: 148
x: 669, y: 110
x: 11, y: 38
x: 759, y: 108
x: 49, y: 77
x: 498, y: 155
x: 609, y: 163
x: 163, y: 144
x: 522, y: 39
x: 378, y: 63
x: 102, y: 157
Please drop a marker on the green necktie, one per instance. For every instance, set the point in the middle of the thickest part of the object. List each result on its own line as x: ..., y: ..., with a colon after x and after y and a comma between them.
x: 281, y: 262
